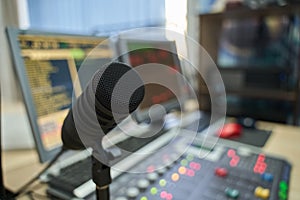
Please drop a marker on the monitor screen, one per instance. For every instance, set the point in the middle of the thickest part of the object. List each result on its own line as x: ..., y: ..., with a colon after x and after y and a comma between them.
x: 46, y: 65
x: 137, y: 52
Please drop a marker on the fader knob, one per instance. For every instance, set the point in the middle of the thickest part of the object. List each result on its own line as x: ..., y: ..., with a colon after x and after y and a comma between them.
x: 121, y: 198
x: 152, y: 176
x: 161, y: 171
x: 244, y: 151
x: 143, y: 184
x: 132, y: 192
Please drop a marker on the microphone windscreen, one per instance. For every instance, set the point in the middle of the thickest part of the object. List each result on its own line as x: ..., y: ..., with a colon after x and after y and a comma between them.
x: 106, y: 92
x: 114, y: 92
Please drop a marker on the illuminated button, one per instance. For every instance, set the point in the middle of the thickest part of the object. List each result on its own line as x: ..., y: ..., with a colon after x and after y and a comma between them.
x: 261, y: 169
x: 153, y: 190
x: 143, y: 198
x: 265, y: 194
x: 267, y: 177
x: 190, y: 157
x: 182, y: 170
x: 184, y: 162
x: 162, y: 182
x: 283, y: 186
x: 175, y: 177
x: 261, y: 192
x: 231, y: 153
x: 236, y: 158
x: 132, y: 192
x: 143, y: 184
x: 282, y: 195
x: 152, y: 177
x: 169, y: 196
x: 261, y: 158
x: 163, y: 194
x: 233, y: 163
x: 190, y: 172
x: 221, y: 172
x: 232, y: 193
x: 195, y: 166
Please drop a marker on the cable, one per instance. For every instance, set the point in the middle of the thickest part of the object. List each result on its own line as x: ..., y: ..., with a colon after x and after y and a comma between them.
x: 25, y: 186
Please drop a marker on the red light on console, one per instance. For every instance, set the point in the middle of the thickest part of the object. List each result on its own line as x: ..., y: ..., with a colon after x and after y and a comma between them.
x: 260, y: 165
x: 195, y: 166
x: 163, y: 194
x: 261, y: 158
x: 190, y: 172
x: 236, y: 158
x: 255, y: 169
x: 221, y: 172
x: 261, y: 170
x: 166, y: 195
x: 169, y: 196
x: 233, y: 163
x: 231, y: 153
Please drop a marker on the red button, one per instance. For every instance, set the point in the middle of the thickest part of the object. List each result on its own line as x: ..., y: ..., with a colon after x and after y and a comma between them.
x: 222, y: 172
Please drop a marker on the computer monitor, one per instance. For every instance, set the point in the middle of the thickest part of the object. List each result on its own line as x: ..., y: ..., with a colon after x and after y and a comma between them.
x: 137, y: 52
x: 46, y: 66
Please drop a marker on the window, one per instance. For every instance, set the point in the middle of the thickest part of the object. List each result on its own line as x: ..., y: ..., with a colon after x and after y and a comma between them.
x: 96, y: 17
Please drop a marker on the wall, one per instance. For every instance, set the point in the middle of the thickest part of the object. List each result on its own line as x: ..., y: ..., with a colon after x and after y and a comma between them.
x: 15, y: 131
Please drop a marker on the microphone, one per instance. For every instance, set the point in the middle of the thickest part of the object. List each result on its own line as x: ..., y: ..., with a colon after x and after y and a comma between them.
x: 114, y: 91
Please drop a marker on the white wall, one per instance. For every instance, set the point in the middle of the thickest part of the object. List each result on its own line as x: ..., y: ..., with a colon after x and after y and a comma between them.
x: 15, y: 127
x: 8, y: 17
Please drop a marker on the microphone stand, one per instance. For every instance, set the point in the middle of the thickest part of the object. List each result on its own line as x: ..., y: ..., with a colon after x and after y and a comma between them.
x: 102, y: 178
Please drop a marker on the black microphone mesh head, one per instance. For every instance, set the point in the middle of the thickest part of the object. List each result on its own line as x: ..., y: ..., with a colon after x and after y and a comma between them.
x: 124, y: 98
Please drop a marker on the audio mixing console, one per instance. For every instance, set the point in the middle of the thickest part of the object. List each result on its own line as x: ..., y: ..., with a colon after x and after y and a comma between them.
x: 224, y: 173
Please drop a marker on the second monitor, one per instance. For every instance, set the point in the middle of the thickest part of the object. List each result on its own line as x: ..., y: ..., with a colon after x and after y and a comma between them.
x: 159, y: 63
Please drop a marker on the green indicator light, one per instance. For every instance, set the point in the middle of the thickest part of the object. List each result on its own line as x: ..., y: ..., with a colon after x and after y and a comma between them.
x: 190, y: 157
x: 77, y: 53
x: 153, y: 190
x: 143, y: 198
x: 282, y: 195
x: 184, y: 162
x: 162, y: 182
x: 283, y: 185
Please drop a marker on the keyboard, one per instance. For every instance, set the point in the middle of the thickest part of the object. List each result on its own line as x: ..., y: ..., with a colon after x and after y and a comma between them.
x: 72, y: 176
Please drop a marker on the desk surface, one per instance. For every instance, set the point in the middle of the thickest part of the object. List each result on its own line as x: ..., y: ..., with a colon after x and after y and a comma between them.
x: 21, y: 165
